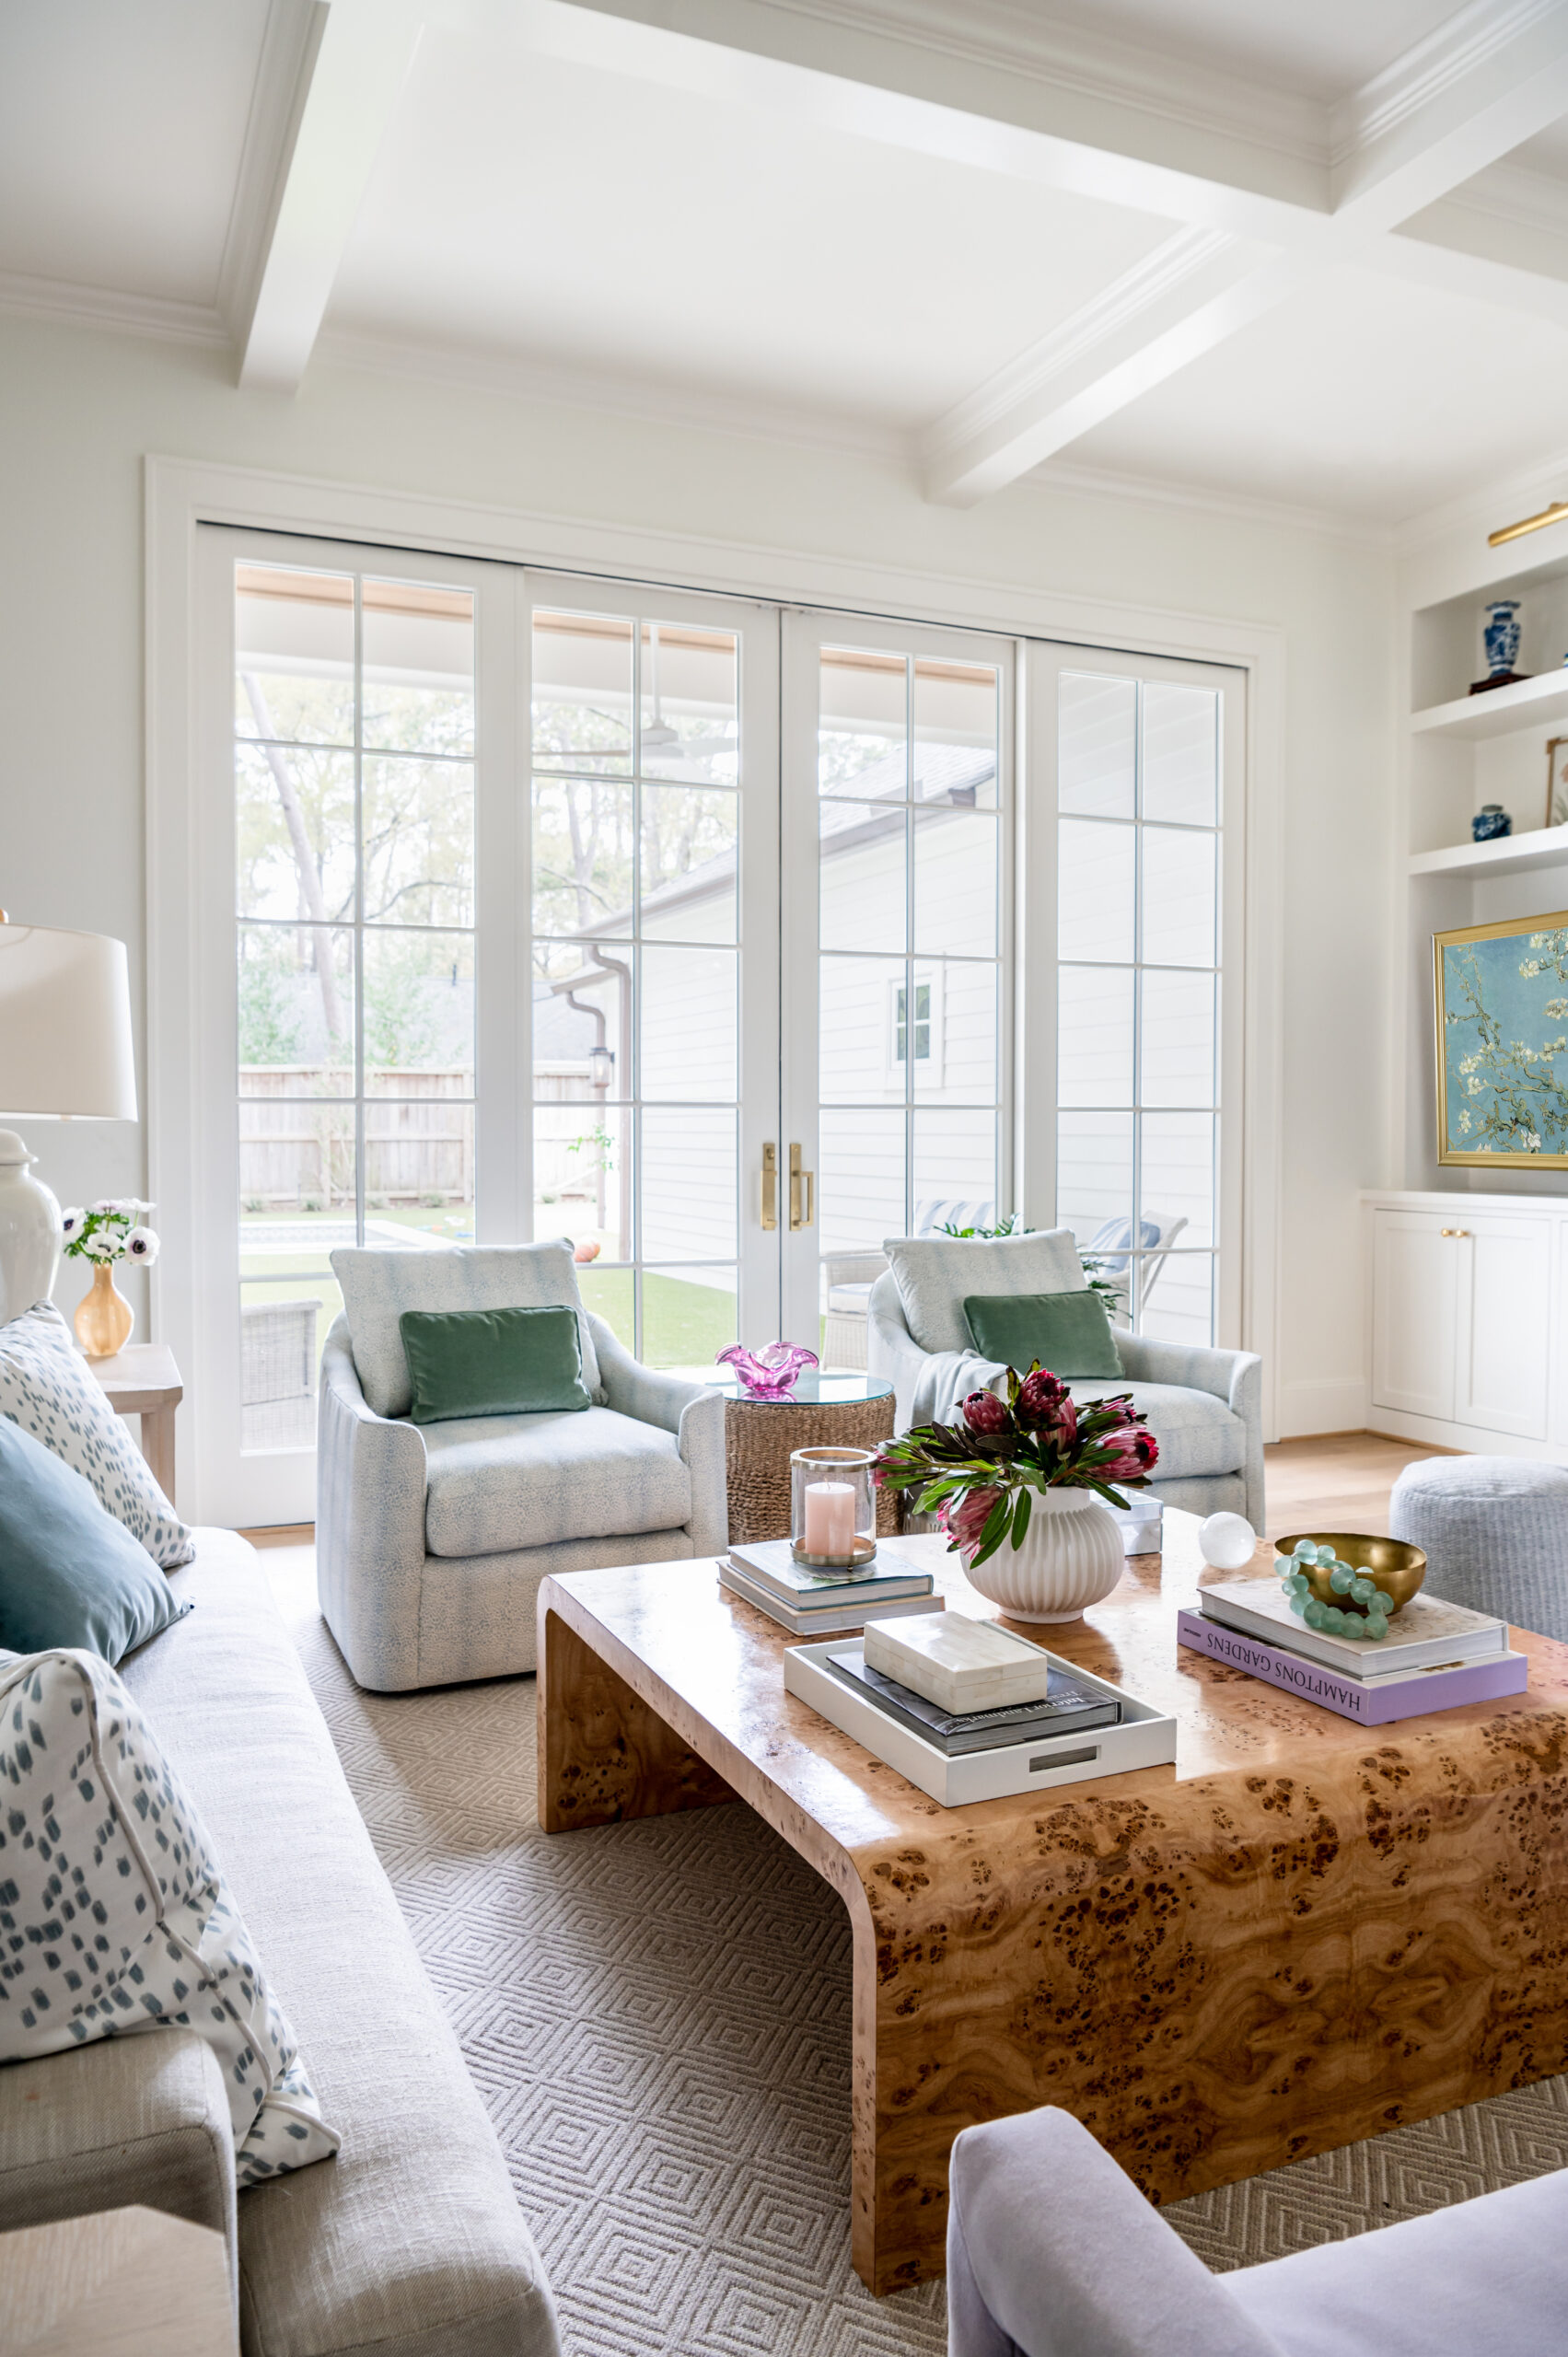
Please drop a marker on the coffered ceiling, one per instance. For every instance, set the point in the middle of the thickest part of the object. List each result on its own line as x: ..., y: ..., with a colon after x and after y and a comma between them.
x: 1309, y: 255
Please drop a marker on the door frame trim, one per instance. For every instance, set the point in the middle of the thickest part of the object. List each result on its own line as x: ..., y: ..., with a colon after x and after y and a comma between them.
x: 180, y: 494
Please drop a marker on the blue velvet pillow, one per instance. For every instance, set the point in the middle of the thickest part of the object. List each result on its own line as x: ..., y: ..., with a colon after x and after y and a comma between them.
x: 70, y: 1575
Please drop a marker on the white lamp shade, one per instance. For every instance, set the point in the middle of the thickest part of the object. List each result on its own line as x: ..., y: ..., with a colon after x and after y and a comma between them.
x: 65, y: 1025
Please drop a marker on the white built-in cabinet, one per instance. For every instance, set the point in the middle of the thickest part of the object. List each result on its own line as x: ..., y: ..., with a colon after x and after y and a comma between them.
x: 1470, y: 1320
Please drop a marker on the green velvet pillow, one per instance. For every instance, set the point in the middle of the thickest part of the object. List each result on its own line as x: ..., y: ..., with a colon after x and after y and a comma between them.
x: 491, y: 1361
x: 1068, y: 1332
x: 70, y: 1575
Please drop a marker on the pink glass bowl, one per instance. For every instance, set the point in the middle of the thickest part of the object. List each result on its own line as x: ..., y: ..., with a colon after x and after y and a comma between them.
x: 770, y: 1372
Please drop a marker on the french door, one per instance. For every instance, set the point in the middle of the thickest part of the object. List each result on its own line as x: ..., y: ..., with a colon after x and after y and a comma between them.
x: 712, y: 936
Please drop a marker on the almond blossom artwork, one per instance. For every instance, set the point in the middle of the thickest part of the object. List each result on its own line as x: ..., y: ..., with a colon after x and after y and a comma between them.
x: 1502, y: 1023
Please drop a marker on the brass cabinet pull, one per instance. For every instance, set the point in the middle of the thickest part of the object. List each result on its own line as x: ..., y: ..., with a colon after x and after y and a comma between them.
x: 802, y: 1192
x: 1456, y: 1231
x: 770, y: 1185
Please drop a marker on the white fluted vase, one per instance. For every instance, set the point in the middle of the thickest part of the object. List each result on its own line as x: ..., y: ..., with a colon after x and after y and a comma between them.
x: 1072, y: 1556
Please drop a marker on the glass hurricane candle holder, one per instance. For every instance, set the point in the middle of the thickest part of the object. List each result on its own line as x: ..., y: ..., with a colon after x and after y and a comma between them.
x: 832, y: 1501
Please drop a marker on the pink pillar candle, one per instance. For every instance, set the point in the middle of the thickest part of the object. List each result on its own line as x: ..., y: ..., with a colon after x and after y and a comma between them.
x: 830, y: 1518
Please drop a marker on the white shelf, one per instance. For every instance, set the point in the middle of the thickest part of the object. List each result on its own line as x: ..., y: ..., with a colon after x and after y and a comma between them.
x: 1500, y: 710
x: 1509, y: 855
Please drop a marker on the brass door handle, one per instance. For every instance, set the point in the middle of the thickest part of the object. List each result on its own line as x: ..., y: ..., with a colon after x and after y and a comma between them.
x: 770, y: 1185
x: 1456, y: 1231
x: 802, y: 1188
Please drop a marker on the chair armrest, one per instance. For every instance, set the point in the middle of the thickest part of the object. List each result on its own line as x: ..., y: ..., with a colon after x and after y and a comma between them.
x: 1235, y: 1376
x: 369, y: 1526
x: 139, y: 2118
x: 645, y: 1393
x: 1053, y: 2251
x: 693, y: 1411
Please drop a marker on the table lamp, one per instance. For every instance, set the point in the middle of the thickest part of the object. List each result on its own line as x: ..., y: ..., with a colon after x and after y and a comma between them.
x: 64, y: 1055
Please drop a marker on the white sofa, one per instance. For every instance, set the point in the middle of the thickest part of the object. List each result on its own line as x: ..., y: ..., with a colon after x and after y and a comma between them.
x: 1053, y: 2252
x: 410, y: 2243
x: 1205, y: 1407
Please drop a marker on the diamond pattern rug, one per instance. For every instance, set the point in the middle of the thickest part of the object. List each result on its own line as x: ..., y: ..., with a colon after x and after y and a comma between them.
x: 658, y: 2016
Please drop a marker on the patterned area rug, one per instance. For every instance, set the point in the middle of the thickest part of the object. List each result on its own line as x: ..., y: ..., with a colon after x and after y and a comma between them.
x: 657, y: 2018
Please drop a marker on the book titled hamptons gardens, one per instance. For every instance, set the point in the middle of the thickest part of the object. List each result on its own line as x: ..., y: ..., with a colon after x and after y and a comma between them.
x: 1464, y: 1658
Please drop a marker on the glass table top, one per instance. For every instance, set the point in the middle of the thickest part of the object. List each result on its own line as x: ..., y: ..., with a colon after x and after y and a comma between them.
x: 813, y: 1388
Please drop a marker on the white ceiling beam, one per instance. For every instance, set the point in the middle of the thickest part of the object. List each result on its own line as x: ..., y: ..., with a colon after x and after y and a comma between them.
x: 351, y: 84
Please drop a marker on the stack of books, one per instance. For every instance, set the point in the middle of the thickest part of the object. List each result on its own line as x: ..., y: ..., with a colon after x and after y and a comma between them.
x: 1435, y: 1656
x: 1063, y: 1708
x: 816, y: 1604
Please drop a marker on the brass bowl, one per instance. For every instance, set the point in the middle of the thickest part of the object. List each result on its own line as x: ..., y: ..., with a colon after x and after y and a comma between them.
x: 1397, y: 1567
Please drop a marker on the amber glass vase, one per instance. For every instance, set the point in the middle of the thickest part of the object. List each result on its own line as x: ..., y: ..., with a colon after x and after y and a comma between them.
x: 104, y: 1317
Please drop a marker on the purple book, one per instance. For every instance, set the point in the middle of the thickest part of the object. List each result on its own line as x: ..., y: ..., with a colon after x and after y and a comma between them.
x: 1373, y: 1704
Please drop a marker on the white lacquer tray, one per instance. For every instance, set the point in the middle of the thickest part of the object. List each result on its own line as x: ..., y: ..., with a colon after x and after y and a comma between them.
x: 1144, y: 1739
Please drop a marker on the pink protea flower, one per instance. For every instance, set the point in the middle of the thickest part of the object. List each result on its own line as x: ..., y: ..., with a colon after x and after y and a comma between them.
x: 964, y: 1520
x: 1062, y: 1423
x: 1038, y: 1395
x: 983, y: 1413
x: 1137, y: 1453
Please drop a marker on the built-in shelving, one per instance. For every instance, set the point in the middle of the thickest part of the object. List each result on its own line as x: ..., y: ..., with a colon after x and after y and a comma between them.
x: 1499, y: 710
x: 1510, y: 855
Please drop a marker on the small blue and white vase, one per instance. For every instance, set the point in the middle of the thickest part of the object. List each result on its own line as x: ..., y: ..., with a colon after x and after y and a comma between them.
x: 1501, y: 637
x: 1490, y: 821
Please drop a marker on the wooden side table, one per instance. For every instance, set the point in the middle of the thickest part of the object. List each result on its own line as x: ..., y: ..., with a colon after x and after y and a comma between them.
x: 143, y: 1380
x: 117, y: 2284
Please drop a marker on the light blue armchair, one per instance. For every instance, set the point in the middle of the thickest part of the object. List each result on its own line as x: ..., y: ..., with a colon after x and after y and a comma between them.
x: 1205, y: 1407
x: 432, y: 1539
x: 1053, y: 2252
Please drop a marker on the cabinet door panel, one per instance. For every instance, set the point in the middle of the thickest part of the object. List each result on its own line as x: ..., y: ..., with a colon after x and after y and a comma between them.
x: 1504, y: 1327
x: 1415, y: 1273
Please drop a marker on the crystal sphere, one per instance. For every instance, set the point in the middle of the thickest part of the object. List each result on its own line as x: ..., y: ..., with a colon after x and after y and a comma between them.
x: 1226, y: 1541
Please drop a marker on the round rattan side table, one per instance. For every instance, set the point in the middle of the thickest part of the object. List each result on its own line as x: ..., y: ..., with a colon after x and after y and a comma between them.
x: 833, y: 1411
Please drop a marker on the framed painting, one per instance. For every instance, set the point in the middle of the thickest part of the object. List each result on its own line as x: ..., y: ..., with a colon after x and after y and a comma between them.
x: 1502, y: 1001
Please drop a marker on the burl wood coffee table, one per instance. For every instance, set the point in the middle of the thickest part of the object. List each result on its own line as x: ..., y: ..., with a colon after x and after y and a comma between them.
x: 1301, y: 1933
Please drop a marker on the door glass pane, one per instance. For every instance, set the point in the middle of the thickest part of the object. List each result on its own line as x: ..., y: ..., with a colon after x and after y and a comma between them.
x: 1097, y: 870
x: 582, y: 693
x: 294, y: 655
x: 582, y: 1157
x: 689, y: 722
x: 1097, y: 749
x: 583, y: 839
x: 955, y: 883
x: 1179, y: 896
x: 419, y: 1159
x: 418, y: 1006
x: 955, y: 733
x: 295, y: 832
x: 1177, y: 1038
x: 689, y: 1315
x: 863, y: 1030
x: 860, y: 1180
x: 956, y: 1058
x: 688, y: 846
x: 1094, y: 1172
x: 418, y: 842
x: 1178, y: 1306
x: 689, y: 1184
x: 689, y: 1024
x: 863, y: 878
x: 296, y: 1008
x: 1094, y: 1036
x: 296, y: 1161
x: 1176, y: 1181
x: 861, y: 742
x: 282, y: 1324
x: 418, y: 681
x: 955, y: 1171
x: 1181, y: 753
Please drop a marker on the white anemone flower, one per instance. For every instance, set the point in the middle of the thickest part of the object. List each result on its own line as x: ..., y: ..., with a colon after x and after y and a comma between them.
x: 141, y: 1245
x: 71, y: 1223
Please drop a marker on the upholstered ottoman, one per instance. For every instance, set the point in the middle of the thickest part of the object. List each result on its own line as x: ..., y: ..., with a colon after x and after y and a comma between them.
x: 1495, y: 1532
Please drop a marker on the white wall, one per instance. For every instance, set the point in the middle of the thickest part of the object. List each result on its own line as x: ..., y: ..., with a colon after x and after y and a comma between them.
x: 78, y: 411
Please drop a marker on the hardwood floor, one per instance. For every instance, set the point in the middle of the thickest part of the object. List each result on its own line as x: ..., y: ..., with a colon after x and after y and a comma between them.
x: 1336, y: 1481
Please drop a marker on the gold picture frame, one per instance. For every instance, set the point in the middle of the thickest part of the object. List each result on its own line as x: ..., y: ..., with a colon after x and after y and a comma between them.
x: 1502, y: 1038
x: 1556, y: 782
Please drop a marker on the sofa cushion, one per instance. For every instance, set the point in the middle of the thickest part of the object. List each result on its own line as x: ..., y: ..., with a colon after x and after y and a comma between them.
x: 115, y: 1915
x: 410, y: 2243
x: 1197, y: 1434
x: 934, y: 1274
x: 496, y: 1482
x: 47, y: 1387
x: 70, y: 1575
x: 379, y: 1286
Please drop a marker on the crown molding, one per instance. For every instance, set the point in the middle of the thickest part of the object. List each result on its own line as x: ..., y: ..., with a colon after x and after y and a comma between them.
x: 1519, y: 492
x: 1517, y: 194
x: 1231, y: 507
x: 517, y: 376
x: 109, y: 307
x: 1454, y: 49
